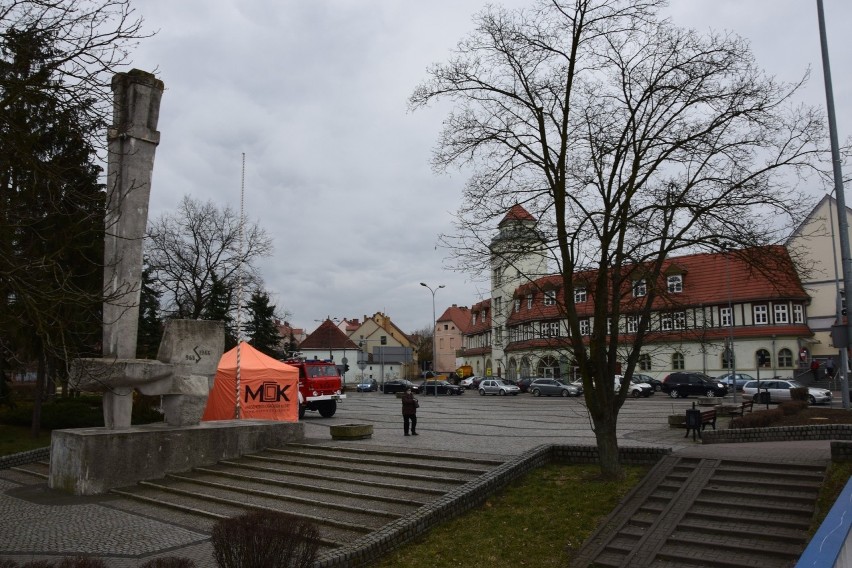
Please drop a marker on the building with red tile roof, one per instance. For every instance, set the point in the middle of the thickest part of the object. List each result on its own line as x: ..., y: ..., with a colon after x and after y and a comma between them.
x: 449, y: 337
x: 751, y: 299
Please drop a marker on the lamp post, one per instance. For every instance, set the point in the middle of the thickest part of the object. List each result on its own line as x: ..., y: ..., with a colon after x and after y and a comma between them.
x: 434, y: 329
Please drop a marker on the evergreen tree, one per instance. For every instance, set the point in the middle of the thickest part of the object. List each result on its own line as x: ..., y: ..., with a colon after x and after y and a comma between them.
x: 219, y: 308
x: 51, y: 212
x: 261, y: 325
x: 150, y: 329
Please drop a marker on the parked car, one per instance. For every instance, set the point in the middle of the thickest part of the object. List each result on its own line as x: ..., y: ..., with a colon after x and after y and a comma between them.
x: 367, y: 385
x: 779, y: 390
x: 635, y: 389
x: 467, y: 383
x: 476, y: 381
x: 551, y: 387
x: 647, y: 379
x: 737, y: 379
x: 496, y: 386
x: 683, y: 384
x: 400, y: 385
x: 440, y: 387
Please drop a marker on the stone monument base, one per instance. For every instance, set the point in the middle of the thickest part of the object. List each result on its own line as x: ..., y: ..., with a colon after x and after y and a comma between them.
x: 91, y: 461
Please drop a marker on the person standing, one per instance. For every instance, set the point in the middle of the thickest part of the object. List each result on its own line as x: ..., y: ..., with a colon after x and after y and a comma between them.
x: 815, y: 369
x: 829, y: 369
x: 409, y: 412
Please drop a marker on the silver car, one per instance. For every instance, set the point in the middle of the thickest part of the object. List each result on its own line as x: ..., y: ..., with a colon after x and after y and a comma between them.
x: 551, y: 387
x: 779, y: 390
x: 498, y: 387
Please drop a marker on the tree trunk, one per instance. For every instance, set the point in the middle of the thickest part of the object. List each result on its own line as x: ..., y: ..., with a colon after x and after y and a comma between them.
x: 39, y: 396
x: 607, y: 447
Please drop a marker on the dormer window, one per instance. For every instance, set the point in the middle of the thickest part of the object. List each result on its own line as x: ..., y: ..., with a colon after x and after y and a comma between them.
x: 529, y: 301
x: 640, y: 288
x: 675, y: 283
x: 550, y: 298
x: 580, y: 295
x: 517, y: 305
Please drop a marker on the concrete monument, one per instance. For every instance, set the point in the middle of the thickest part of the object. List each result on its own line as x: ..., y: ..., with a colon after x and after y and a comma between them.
x: 90, y: 461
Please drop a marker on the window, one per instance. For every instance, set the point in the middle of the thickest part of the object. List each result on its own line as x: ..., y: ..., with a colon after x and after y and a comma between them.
x: 763, y: 359
x: 550, y: 329
x: 474, y: 319
x: 726, y: 317
x: 728, y: 359
x: 585, y: 327
x: 529, y: 301
x: 675, y: 283
x: 781, y: 313
x: 639, y: 288
x: 644, y: 362
x: 550, y: 298
x: 580, y: 295
x: 679, y: 319
x: 498, y: 307
x: 798, y: 314
x: 666, y: 322
x: 498, y: 276
x: 609, y: 326
x: 632, y: 324
x: 761, y: 314
x: 677, y: 361
x: 785, y: 357
x: 517, y: 304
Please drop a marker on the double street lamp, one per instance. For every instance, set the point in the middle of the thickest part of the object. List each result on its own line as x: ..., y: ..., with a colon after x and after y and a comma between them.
x: 434, y: 330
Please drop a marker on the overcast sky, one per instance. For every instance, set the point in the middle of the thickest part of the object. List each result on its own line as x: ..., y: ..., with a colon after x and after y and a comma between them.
x: 314, y: 93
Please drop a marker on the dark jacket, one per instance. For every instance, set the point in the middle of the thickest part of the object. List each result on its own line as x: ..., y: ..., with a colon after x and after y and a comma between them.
x: 409, y: 404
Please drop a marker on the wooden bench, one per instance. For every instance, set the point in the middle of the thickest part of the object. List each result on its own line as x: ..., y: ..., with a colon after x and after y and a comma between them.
x: 707, y: 417
x: 740, y: 409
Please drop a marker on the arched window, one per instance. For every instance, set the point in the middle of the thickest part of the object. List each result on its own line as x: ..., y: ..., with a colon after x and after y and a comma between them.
x: 644, y: 362
x: 677, y: 361
x: 525, y: 368
x: 785, y: 358
x: 548, y: 366
x: 512, y: 369
x: 763, y: 358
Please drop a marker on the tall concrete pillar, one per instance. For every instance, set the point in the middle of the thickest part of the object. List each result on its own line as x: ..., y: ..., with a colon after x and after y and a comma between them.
x: 132, y: 142
x: 132, y: 139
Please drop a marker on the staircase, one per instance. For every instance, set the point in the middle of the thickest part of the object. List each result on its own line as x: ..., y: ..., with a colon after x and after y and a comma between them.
x: 346, y: 491
x: 692, y: 512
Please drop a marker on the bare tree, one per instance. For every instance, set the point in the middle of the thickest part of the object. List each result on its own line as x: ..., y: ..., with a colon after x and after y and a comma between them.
x: 632, y: 140
x: 91, y: 40
x: 199, y: 245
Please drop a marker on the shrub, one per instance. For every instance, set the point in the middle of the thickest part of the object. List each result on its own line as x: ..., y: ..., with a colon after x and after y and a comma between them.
x: 792, y: 407
x: 759, y: 419
x: 169, y: 562
x: 799, y: 393
x: 74, y: 412
x: 81, y: 562
x: 265, y: 539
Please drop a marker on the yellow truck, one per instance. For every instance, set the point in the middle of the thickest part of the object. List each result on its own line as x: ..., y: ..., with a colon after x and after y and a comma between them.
x: 464, y: 371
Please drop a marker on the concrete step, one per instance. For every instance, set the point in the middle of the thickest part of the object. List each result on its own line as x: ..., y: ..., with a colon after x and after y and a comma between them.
x: 695, y: 555
x: 39, y: 470
x: 711, y: 513
x: 393, y: 463
x: 418, y: 475
x: 346, y: 492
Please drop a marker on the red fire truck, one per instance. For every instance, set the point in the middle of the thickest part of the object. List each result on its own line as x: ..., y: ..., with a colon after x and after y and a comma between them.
x: 320, y: 386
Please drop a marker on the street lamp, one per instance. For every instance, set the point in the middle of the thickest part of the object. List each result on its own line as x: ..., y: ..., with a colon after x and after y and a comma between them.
x: 434, y: 329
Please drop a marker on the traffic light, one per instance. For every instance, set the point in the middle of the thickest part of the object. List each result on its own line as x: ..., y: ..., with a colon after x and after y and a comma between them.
x: 843, y: 302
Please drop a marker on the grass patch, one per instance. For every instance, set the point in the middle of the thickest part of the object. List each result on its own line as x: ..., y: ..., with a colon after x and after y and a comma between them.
x: 836, y: 476
x: 541, y: 521
x: 14, y: 439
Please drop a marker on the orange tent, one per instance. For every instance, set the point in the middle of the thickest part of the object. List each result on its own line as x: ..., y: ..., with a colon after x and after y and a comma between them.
x: 269, y: 389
